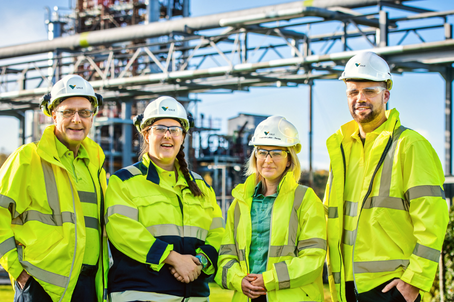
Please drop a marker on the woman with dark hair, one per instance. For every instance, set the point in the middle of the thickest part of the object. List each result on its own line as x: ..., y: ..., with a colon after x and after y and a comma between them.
x: 275, y: 240
x: 162, y: 220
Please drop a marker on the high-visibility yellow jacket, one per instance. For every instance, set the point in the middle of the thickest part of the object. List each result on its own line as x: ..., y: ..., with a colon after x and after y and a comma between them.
x: 297, y: 243
x: 403, y: 216
x: 145, y: 220
x: 42, y: 226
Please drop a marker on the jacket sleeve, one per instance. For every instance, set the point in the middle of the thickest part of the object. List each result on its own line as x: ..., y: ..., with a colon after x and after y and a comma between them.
x: 311, y: 247
x: 213, y: 240
x: 125, y: 231
x: 229, y: 274
x: 423, y: 186
x: 14, y: 199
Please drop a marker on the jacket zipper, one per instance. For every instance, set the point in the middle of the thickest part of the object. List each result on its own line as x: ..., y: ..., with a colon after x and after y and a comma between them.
x: 369, y: 190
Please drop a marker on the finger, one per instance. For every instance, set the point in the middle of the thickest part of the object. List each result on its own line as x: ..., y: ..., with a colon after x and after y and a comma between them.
x: 196, y: 260
x: 390, y: 285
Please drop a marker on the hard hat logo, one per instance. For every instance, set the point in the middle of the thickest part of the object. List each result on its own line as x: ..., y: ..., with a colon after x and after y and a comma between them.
x: 359, y: 65
x: 72, y: 86
x: 165, y: 108
x: 266, y: 133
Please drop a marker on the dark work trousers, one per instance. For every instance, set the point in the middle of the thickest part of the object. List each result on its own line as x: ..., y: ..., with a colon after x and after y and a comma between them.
x: 375, y: 294
x: 33, y: 291
x: 261, y: 298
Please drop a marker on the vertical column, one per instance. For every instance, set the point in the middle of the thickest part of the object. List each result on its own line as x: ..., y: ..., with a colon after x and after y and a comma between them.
x: 448, y: 119
x: 382, y: 33
x: 127, y: 133
x: 311, y: 177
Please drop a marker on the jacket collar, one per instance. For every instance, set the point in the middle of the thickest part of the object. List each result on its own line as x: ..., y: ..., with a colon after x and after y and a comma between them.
x: 153, y: 171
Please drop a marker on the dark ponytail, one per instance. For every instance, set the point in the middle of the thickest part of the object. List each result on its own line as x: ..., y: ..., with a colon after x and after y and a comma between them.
x: 184, y: 168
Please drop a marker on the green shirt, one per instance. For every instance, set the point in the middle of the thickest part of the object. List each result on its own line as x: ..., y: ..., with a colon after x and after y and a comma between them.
x: 261, y: 210
x: 78, y: 169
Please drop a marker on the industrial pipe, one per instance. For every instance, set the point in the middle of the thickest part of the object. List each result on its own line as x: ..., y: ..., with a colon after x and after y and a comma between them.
x: 156, y: 29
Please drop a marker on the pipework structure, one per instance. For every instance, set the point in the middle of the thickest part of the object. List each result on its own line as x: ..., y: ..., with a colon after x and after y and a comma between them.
x: 128, y: 52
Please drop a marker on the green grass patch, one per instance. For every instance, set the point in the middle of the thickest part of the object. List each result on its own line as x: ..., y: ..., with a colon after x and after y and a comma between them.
x: 6, y: 293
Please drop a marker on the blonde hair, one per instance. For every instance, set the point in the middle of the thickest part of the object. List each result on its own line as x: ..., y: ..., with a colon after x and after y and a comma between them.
x: 295, y: 166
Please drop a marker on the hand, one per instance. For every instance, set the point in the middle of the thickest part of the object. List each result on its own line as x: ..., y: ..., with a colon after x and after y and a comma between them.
x: 250, y: 290
x: 408, y: 291
x: 186, y: 268
x: 22, y: 279
x: 258, y: 280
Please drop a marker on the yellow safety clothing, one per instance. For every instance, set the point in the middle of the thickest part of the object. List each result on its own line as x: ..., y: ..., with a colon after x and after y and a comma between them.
x: 297, y: 243
x: 146, y: 218
x: 402, y: 214
x: 42, y: 225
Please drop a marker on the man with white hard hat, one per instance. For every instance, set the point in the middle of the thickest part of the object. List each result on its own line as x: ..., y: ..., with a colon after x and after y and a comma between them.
x: 51, y: 197
x: 387, y: 214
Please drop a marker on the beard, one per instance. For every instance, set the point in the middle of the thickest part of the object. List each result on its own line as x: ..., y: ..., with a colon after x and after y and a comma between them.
x: 362, y: 117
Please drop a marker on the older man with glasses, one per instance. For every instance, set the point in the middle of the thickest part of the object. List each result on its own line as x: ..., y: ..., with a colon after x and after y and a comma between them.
x: 51, y: 197
x: 387, y: 216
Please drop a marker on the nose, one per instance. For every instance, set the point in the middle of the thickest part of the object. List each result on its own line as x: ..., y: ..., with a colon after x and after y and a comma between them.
x: 76, y: 118
x: 167, y: 134
x: 268, y: 158
x: 361, y: 96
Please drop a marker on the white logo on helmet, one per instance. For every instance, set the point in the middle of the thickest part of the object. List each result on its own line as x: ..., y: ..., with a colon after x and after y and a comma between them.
x: 167, y: 109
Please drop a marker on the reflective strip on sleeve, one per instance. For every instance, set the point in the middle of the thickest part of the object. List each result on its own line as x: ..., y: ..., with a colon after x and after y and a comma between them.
x: 41, y: 274
x: 424, y: 191
x: 225, y: 270
x: 227, y: 249
x: 51, y: 191
x: 49, y: 219
x: 332, y: 212
x: 5, y: 201
x: 312, y: 243
x: 122, y: 210
x: 7, y: 245
x: 385, y: 202
x: 179, y: 231
x: 283, y: 276
x: 242, y: 255
x: 379, y: 266
x: 426, y: 252
x: 282, y: 251
x: 294, y: 221
x: 87, y: 197
x: 217, y: 222
x: 330, y: 181
x: 337, y: 277
x: 91, y: 222
x: 348, y: 237
x: 350, y: 208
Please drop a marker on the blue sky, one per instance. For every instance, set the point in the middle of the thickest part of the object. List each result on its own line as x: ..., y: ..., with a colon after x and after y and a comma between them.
x: 418, y: 97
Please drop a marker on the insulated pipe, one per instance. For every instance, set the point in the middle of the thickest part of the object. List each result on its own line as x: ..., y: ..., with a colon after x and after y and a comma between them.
x: 245, y: 67
x: 156, y: 29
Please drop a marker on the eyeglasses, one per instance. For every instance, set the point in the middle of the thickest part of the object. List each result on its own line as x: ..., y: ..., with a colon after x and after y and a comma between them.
x: 277, y: 154
x: 68, y: 113
x: 368, y: 92
x: 175, y: 131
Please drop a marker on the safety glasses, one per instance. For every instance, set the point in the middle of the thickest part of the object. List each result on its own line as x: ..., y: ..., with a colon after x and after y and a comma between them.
x: 368, y: 92
x: 68, y: 113
x: 276, y: 154
x: 175, y: 131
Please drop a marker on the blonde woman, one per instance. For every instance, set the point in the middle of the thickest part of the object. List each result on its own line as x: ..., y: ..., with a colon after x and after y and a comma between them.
x: 275, y: 241
x: 162, y: 220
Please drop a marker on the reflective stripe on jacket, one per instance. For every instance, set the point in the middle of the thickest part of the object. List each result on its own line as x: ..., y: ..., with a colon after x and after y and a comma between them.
x: 403, y: 216
x: 42, y: 226
x: 297, y: 243
x: 145, y: 221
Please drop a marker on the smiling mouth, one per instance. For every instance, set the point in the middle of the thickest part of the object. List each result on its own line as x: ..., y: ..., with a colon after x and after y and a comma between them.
x: 167, y: 145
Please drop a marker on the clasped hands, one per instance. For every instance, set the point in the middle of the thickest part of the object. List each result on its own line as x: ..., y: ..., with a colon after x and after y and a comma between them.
x: 185, y: 268
x: 253, y: 286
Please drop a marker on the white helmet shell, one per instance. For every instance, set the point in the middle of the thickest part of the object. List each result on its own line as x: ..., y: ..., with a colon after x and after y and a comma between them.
x: 368, y: 66
x: 276, y: 131
x: 69, y: 86
x: 165, y: 107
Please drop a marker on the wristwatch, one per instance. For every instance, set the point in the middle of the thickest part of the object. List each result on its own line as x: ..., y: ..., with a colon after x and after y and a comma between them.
x: 203, y: 260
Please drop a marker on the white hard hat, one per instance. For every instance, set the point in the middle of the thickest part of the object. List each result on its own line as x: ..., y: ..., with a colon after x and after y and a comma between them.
x: 368, y: 66
x: 162, y: 107
x: 69, y: 86
x: 276, y: 131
